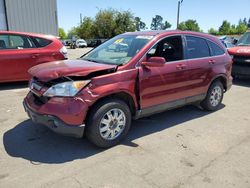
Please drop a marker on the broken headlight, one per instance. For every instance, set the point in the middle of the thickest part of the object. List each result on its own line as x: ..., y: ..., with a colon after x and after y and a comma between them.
x: 66, y: 89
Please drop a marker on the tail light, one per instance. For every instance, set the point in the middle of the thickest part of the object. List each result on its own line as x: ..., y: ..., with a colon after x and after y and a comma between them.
x: 64, y: 52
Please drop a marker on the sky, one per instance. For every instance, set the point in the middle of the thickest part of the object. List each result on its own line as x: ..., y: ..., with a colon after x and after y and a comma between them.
x: 208, y: 13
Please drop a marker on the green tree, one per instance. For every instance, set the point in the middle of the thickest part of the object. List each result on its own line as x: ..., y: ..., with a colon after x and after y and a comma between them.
x: 245, y: 21
x: 157, y: 23
x: 167, y: 25
x: 124, y: 22
x: 213, y: 31
x: 241, y: 28
x: 189, y: 25
x: 62, y: 33
x: 85, y: 30
x: 139, y: 25
x: 225, y: 28
x: 233, y: 30
x: 105, y: 23
x: 72, y: 32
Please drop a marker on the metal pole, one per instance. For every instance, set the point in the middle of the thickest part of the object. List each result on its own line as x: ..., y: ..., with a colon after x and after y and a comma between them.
x: 178, y: 14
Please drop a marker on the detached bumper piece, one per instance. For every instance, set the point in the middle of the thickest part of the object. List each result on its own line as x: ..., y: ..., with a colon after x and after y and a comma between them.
x: 55, y: 124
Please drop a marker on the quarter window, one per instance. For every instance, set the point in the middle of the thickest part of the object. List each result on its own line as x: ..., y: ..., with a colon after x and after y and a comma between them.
x: 215, y: 49
x: 197, y: 47
x: 40, y: 42
x: 15, y: 42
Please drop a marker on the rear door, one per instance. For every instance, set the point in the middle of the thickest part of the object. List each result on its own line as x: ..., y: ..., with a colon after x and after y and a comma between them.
x: 17, y: 55
x: 199, y: 63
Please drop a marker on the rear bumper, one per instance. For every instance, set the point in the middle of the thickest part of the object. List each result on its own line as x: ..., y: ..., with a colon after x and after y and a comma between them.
x: 55, y: 124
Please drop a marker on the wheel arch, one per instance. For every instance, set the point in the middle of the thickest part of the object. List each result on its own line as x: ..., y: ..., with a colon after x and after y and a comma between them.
x: 222, y: 78
x: 121, y: 95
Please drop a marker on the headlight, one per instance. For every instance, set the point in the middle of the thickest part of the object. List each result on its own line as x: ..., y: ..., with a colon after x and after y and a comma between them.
x: 66, y: 89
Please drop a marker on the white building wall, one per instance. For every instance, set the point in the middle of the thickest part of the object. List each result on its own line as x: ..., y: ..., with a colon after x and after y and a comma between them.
x: 36, y: 16
x: 3, y: 25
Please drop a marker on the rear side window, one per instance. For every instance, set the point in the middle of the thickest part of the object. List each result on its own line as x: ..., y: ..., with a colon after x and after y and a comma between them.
x: 40, y: 42
x: 197, y: 47
x: 215, y: 49
x: 15, y: 42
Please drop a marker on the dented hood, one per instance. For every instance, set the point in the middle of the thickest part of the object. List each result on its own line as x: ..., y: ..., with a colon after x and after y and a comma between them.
x: 53, y: 70
x: 240, y: 50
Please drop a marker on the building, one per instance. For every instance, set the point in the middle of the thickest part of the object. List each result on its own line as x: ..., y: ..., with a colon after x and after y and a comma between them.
x: 36, y: 16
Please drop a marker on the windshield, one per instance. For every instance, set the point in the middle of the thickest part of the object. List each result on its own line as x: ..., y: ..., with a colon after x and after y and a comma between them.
x: 244, y: 40
x: 119, y: 50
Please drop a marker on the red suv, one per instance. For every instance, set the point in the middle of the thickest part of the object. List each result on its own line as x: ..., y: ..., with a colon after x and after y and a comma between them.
x: 241, y: 56
x: 21, y: 51
x: 100, y: 93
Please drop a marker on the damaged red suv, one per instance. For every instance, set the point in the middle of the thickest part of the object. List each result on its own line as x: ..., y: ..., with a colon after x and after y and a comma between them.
x: 130, y: 76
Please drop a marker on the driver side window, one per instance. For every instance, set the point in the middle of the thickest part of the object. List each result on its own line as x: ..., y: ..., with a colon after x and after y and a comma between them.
x: 169, y: 48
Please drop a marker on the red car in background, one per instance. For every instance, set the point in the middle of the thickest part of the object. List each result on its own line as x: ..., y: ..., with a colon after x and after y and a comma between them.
x: 20, y: 51
x: 241, y: 56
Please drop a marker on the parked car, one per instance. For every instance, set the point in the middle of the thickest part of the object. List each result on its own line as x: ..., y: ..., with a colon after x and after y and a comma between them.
x: 21, y: 51
x: 241, y: 56
x: 94, y: 43
x: 80, y: 43
x: 228, y: 44
x: 67, y: 42
x: 99, y: 94
x: 227, y: 41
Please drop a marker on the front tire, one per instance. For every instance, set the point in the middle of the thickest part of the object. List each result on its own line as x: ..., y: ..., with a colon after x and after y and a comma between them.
x: 214, y: 97
x: 108, y: 123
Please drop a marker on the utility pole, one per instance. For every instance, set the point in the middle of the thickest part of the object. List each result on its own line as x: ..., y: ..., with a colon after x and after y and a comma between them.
x: 178, y: 13
x: 80, y: 18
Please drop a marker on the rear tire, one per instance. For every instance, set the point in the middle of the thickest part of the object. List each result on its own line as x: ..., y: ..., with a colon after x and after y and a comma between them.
x: 108, y: 123
x: 214, y: 97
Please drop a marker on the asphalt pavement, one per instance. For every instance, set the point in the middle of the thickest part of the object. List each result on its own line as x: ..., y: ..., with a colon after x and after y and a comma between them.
x: 185, y: 147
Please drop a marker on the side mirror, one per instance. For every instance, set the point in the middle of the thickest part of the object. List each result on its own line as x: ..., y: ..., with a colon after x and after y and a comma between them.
x: 154, y: 62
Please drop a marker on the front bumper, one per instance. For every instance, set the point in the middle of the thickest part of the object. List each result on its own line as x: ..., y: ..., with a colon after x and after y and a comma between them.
x: 241, y: 70
x: 55, y: 124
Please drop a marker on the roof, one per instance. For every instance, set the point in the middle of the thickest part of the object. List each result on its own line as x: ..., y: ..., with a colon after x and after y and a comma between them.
x: 25, y: 33
x: 159, y: 32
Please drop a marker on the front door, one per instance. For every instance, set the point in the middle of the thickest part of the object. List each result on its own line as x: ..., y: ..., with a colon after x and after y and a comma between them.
x: 167, y: 84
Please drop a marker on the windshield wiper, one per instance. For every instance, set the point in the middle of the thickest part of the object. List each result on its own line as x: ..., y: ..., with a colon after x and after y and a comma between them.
x: 90, y: 60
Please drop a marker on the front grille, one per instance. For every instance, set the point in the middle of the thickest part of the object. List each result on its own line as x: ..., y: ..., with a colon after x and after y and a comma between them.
x: 40, y: 100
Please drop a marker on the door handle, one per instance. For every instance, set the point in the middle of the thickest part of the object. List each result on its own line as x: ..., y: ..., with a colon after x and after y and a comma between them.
x: 181, y: 66
x: 211, y: 62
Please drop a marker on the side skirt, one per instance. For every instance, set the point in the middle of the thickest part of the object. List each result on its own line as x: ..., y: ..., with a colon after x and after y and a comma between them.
x: 168, y: 106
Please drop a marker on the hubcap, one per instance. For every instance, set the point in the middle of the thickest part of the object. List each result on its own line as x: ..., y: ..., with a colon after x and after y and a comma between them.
x: 215, y: 97
x: 112, y: 124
